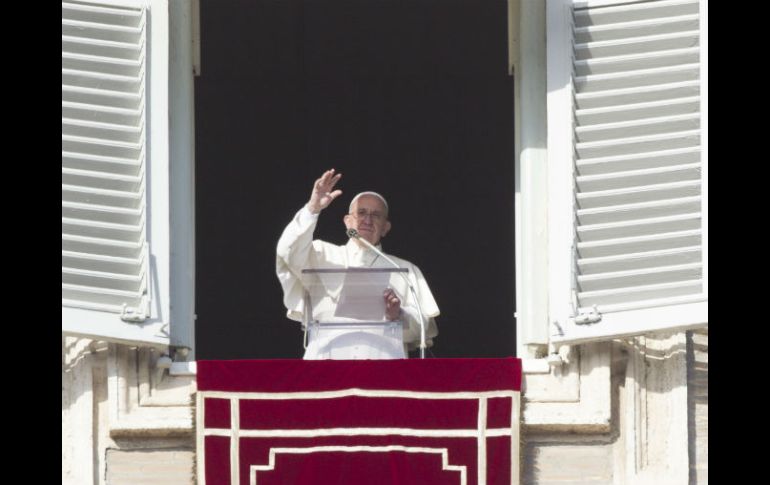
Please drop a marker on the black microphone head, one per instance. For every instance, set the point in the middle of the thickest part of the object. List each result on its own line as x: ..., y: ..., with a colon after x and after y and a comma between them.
x: 352, y: 233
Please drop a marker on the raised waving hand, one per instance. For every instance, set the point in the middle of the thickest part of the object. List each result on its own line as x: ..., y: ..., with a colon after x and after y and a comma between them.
x: 323, y: 193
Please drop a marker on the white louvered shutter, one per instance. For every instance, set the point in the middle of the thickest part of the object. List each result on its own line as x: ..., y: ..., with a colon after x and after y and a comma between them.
x: 105, y: 263
x: 637, y: 168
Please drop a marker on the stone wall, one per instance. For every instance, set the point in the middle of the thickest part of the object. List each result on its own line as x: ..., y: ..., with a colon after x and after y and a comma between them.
x: 122, y: 421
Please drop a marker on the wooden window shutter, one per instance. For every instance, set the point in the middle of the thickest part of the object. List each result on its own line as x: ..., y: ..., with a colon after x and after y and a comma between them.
x: 105, y: 263
x: 638, y: 163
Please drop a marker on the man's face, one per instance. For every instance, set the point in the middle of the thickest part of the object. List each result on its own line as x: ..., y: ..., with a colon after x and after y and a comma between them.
x: 369, y: 217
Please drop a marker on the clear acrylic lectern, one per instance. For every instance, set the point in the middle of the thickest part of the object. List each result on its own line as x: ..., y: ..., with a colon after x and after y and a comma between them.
x: 344, y: 314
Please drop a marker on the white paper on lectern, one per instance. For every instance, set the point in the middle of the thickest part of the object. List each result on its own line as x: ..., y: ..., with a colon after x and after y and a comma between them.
x: 361, y: 296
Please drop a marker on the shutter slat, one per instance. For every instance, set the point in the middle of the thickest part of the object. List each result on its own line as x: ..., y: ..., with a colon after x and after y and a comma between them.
x: 640, y: 293
x: 638, y: 161
x: 113, y: 49
x: 133, y: 111
x: 637, y: 94
x: 634, y: 12
x: 640, y: 128
x: 101, y: 147
x: 129, y: 267
x: 99, y: 229
x: 91, y: 197
x: 103, y: 49
x: 627, y: 112
x: 117, y: 144
x: 639, y: 244
x: 589, y: 233
x: 108, y: 63
x: 101, y: 96
x: 641, y: 210
x: 97, y: 94
x: 86, y: 28
x: 105, y: 260
x: 626, y: 46
x: 95, y: 30
x: 647, y: 259
x: 99, y: 295
x: 637, y: 78
x: 107, y: 165
x: 110, y: 115
x: 636, y: 28
x: 97, y: 127
x: 111, y: 131
x: 101, y: 213
x: 93, y: 162
x: 638, y: 194
x: 635, y: 178
x: 102, y: 279
x: 101, y: 13
x: 640, y: 277
x: 638, y: 144
x: 101, y: 246
x: 637, y: 62
x: 101, y: 64
x: 105, y: 131
x: 105, y: 180
x: 99, y: 80
x: 99, y: 279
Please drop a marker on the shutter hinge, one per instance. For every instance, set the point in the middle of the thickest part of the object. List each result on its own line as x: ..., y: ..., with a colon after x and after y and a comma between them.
x: 136, y: 315
x: 586, y: 316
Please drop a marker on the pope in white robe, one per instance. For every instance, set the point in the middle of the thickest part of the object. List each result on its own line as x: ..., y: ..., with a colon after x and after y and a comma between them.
x: 368, y: 215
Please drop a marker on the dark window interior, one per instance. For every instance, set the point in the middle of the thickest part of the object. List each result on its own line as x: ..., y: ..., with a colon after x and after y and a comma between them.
x: 410, y: 98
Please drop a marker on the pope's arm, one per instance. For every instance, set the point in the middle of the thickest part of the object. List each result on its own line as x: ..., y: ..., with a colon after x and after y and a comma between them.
x: 294, y: 252
x: 295, y: 246
x: 296, y: 242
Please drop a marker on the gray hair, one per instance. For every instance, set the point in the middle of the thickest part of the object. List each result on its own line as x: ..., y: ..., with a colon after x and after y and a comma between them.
x: 374, y: 194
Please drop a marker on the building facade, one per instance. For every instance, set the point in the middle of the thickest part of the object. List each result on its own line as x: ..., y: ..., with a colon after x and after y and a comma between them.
x: 611, y: 246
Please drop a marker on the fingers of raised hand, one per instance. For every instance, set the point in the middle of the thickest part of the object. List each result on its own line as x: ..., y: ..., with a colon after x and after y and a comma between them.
x: 331, y: 182
x: 322, y: 194
x: 327, y: 180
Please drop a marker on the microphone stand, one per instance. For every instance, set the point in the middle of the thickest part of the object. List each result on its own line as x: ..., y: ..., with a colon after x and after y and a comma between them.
x: 355, y: 234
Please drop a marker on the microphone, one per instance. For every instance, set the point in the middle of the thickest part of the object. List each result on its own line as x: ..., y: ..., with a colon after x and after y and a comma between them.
x: 352, y: 233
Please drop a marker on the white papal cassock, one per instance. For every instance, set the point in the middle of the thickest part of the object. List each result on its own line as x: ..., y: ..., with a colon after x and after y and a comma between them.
x: 297, y: 251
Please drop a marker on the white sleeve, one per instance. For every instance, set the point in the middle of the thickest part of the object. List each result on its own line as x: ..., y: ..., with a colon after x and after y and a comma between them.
x: 293, y: 253
x: 296, y: 241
